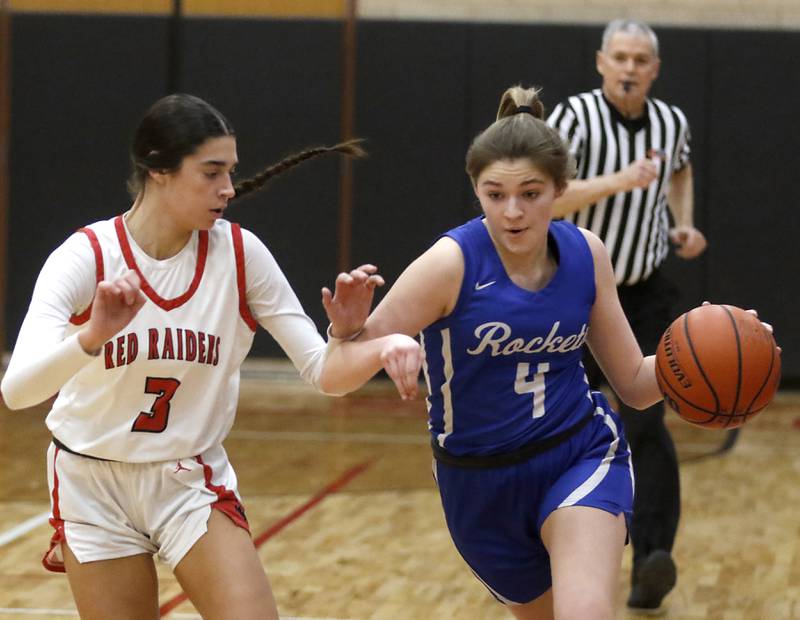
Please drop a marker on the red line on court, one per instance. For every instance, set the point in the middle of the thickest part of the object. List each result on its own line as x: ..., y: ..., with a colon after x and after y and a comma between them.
x: 276, y: 527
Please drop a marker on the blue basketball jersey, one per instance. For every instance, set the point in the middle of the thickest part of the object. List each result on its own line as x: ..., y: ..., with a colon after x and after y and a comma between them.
x: 504, y: 368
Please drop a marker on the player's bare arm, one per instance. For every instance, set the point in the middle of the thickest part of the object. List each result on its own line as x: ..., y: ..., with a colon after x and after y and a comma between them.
x: 611, y: 340
x: 426, y: 291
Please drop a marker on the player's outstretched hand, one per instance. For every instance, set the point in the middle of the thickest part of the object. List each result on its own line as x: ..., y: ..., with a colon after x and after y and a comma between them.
x: 349, y: 305
x: 402, y: 359
x: 115, y: 304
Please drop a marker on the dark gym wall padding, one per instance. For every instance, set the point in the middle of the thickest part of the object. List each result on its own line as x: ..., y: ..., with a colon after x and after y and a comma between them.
x: 279, y: 84
x: 753, y: 215
x: 553, y: 58
x: 79, y: 85
x: 411, y: 106
x: 424, y: 90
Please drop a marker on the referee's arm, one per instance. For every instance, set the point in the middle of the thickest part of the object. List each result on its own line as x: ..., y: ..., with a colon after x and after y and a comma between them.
x: 690, y: 242
x: 680, y: 197
x: 581, y: 193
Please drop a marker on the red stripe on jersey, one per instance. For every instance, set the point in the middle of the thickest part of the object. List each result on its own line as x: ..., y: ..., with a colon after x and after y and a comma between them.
x: 166, y: 304
x: 99, y: 272
x: 227, y: 502
x: 56, y: 509
x: 51, y: 561
x: 241, y: 280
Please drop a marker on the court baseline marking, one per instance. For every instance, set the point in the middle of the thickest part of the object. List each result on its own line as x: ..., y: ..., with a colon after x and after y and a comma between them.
x: 23, y: 528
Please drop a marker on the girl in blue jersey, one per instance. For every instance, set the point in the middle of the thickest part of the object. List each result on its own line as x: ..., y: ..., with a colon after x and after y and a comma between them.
x: 533, y: 468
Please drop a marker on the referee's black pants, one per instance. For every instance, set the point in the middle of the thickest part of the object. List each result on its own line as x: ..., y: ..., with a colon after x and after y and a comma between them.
x: 657, y: 503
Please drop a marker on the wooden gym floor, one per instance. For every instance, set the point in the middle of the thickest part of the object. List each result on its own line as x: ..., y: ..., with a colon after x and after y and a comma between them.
x: 341, y: 502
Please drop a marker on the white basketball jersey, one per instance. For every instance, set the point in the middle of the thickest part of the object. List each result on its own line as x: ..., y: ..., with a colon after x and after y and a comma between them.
x: 167, y: 385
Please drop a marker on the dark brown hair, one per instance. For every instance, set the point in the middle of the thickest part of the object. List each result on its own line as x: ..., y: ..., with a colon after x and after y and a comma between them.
x: 521, y: 133
x: 351, y: 148
x: 177, y: 125
x: 173, y: 128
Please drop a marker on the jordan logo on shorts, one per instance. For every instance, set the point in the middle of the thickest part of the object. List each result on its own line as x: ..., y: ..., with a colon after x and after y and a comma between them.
x: 180, y: 467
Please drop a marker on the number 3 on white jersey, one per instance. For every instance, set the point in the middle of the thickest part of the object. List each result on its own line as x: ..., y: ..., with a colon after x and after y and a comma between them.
x: 535, y: 386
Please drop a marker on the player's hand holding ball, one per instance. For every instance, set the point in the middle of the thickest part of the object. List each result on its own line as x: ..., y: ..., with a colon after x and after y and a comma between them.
x: 718, y: 365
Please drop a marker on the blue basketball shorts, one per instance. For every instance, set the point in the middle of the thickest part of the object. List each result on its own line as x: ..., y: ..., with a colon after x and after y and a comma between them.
x: 495, y: 515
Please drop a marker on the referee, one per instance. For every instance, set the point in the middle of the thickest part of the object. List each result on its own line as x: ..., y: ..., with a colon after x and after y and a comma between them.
x: 633, y: 166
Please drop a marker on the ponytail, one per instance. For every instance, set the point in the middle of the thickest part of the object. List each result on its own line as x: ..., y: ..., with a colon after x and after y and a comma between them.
x: 351, y: 148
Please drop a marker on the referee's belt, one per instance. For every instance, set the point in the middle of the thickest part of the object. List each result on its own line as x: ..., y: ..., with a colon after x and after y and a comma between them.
x: 520, y: 455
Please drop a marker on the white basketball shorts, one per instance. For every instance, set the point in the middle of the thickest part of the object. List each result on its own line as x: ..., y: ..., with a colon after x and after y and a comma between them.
x: 109, y: 509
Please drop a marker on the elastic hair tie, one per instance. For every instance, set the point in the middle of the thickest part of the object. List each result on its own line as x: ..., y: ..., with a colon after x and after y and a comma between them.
x: 524, y: 108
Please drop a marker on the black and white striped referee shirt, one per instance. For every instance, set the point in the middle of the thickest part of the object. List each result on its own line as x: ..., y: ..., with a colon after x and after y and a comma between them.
x: 632, y: 225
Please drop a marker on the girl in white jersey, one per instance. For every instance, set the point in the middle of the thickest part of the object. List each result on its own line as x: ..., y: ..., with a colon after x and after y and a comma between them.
x: 140, y: 324
x: 532, y: 467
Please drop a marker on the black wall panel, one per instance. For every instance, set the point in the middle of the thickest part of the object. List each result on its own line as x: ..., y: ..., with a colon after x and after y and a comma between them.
x: 424, y: 89
x: 557, y: 59
x: 279, y: 84
x: 411, y: 101
x: 80, y: 85
x: 754, y: 193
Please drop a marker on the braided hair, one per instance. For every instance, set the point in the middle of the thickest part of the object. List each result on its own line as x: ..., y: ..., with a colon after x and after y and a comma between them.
x: 351, y: 148
x: 176, y: 125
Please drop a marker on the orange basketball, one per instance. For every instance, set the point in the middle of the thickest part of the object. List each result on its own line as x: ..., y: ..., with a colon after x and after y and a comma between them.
x: 717, y: 366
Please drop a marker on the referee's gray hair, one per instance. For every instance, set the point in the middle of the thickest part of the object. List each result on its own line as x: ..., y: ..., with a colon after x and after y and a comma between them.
x: 630, y: 26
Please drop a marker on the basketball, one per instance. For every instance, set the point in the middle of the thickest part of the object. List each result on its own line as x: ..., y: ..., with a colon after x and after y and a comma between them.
x: 717, y: 366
